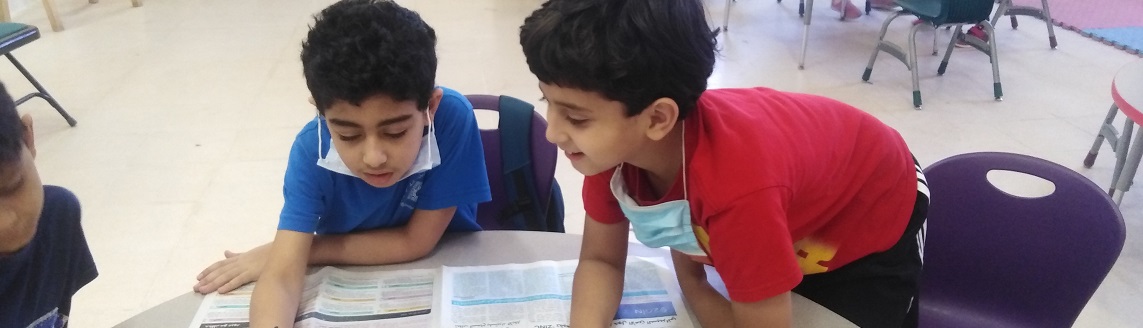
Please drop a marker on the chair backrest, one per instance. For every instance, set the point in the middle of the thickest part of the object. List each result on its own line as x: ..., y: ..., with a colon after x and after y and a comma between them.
x: 949, y: 11
x: 15, y: 35
x: 521, y: 167
x: 967, y: 11
x: 1004, y: 260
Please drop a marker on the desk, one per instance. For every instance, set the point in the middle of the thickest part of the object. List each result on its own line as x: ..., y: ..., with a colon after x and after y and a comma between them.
x: 485, y: 248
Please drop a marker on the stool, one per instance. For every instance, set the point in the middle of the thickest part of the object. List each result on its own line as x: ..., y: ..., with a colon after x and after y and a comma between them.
x: 1127, y: 94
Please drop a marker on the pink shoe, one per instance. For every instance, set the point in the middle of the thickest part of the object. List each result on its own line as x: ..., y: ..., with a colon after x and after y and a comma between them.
x: 975, y: 31
x: 849, y: 11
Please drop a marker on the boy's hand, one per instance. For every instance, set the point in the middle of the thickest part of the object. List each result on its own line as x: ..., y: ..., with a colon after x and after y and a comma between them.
x: 236, y: 270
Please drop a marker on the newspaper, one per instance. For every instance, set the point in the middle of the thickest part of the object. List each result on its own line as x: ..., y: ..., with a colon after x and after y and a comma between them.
x: 533, y: 295
x: 539, y: 295
x: 334, y: 297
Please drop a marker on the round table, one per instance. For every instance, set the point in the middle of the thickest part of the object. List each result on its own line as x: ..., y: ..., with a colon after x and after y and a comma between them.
x: 488, y: 248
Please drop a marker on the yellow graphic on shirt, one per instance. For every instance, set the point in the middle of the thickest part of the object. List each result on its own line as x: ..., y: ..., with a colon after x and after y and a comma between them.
x: 704, y: 243
x: 813, y: 256
x: 703, y: 238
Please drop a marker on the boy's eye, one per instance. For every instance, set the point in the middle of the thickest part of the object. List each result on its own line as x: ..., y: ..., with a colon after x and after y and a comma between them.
x: 397, y: 135
x: 575, y: 121
x: 349, y: 137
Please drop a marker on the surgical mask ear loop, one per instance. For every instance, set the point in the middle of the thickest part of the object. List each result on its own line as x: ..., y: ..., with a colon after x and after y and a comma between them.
x: 684, y: 127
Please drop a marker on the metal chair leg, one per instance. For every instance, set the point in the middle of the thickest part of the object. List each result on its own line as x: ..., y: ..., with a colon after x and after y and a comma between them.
x: 1123, y: 184
x: 40, y: 91
x: 1001, y: 9
x: 726, y: 16
x: 948, y: 51
x: 997, y: 90
x: 934, y: 40
x: 881, y: 44
x: 806, y: 32
x: 1106, y: 132
x: 1007, y: 8
x: 913, y: 65
x: 1047, y: 16
x: 1122, y: 147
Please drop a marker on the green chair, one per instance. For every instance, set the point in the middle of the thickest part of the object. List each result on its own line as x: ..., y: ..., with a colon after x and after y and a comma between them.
x: 933, y: 14
x: 14, y: 36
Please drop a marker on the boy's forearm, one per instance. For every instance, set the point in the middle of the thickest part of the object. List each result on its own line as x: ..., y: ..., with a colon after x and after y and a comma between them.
x: 279, y: 288
x: 711, y: 309
x: 596, y: 292
x: 399, y: 244
x: 275, y: 302
x: 373, y: 247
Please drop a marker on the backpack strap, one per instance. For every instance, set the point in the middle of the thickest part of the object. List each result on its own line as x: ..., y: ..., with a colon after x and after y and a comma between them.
x: 555, y: 214
x: 524, y: 209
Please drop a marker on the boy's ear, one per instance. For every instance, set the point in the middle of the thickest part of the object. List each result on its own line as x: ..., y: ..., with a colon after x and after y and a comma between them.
x: 434, y: 102
x: 661, y: 117
x: 29, y: 134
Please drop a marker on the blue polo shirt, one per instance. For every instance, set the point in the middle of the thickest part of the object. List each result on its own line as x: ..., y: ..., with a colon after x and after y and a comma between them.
x: 38, y: 281
x: 321, y: 201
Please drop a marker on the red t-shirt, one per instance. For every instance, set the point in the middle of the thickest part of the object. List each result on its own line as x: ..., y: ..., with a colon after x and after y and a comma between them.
x: 780, y: 185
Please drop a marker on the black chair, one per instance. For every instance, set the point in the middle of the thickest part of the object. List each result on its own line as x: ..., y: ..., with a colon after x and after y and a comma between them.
x: 12, y: 37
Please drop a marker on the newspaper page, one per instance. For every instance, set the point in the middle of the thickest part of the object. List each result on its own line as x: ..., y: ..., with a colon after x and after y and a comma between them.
x: 539, y: 295
x: 334, y: 297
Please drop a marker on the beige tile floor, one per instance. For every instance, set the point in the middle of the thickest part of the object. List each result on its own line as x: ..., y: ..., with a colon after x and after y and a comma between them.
x: 187, y: 109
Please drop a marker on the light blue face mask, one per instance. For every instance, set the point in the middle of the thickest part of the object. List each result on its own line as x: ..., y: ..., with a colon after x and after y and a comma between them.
x: 428, y: 157
x: 667, y: 224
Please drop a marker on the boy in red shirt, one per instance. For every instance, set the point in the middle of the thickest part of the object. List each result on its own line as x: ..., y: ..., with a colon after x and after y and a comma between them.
x: 778, y: 191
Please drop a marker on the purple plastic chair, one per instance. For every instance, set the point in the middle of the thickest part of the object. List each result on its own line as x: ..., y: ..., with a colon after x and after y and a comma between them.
x: 992, y: 259
x: 489, y: 214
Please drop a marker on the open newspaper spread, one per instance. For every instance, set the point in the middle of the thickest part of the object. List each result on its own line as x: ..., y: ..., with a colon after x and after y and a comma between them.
x: 529, y: 295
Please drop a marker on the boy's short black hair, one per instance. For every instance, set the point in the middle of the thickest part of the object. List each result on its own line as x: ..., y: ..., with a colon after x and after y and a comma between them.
x: 361, y: 48
x: 11, y: 129
x: 631, y: 51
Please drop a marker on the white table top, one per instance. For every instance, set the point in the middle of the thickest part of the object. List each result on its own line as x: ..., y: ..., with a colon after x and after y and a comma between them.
x: 487, y: 248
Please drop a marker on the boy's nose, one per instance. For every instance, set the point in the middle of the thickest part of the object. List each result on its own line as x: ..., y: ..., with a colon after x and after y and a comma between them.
x: 553, y: 134
x: 374, y: 156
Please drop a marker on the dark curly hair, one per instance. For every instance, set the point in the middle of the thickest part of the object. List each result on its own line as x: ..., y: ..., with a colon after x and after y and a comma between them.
x: 361, y: 48
x: 631, y: 51
x: 11, y: 129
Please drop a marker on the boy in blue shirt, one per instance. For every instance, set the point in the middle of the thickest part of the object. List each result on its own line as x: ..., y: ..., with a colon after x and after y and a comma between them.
x: 390, y: 163
x: 44, y: 257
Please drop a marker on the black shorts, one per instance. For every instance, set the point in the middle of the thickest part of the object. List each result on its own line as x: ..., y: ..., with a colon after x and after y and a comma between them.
x: 880, y: 289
